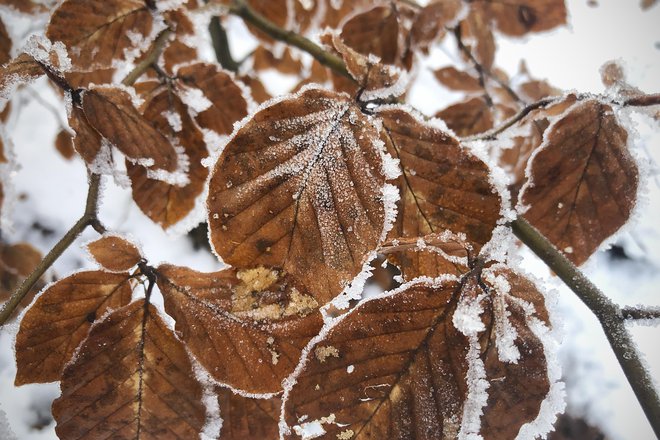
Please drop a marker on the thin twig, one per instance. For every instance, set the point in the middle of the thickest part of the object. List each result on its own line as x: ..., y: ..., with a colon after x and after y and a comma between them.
x: 89, y: 218
x: 150, y: 58
x: 607, y: 312
x: 249, y: 15
x: 640, y: 313
x: 221, y: 45
x: 642, y: 100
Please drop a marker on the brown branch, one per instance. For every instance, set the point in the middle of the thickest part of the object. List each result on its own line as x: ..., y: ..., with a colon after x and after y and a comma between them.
x: 149, y: 59
x: 249, y: 15
x: 608, y: 313
x: 640, y: 313
x: 89, y: 218
x: 642, y: 100
x: 221, y: 45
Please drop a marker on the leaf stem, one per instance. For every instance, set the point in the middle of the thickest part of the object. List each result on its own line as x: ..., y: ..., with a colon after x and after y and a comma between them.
x: 89, y: 218
x: 249, y: 15
x: 640, y: 313
x: 608, y: 313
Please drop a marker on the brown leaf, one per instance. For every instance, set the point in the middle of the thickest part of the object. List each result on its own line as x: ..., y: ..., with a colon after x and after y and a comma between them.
x: 469, y: 117
x: 257, y: 89
x: 227, y: 102
x: 164, y: 203
x: 244, y: 418
x: 457, y: 80
x: 27, y: 6
x: 64, y: 144
x: 99, y: 33
x: 583, y: 182
x: 300, y: 187
x: 5, y: 44
x: 406, y: 365
x: 17, y: 262
x: 111, y: 113
x: 247, y: 327
x: 264, y: 59
x: 647, y: 4
x: 88, y: 141
x: 518, y: 17
x: 430, y: 21
x: 22, y: 69
x: 535, y: 90
x: 114, y: 253
x: 132, y: 379
x: 60, y: 319
x: 376, y: 32
x: 476, y: 27
x: 443, y: 185
x: 276, y: 11
x: 83, y: 80
x: 336, y: 11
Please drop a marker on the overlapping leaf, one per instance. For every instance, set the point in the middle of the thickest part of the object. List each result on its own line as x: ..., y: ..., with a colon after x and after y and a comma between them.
x: 165, y: 203
x: 469, y: 117
x: 132, y: 379
x: 246, y: 327
x: 300, y: 186
x: 582, y: 182
x: 244, y: 418
x: 59, y: 321
x: 426, y: 360
x: 17, y: 261
x: 519, y: 17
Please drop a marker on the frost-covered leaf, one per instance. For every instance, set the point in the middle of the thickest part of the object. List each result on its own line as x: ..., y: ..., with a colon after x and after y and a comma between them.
x: 443, y: 185
x: 425, y: 361
x: 60, y: 319
x: 226, y: 103
x: 111, y: 113
x: 27, y: 6
x: 430, y: 21
x: 88, y: 141
x: 301, y: 186
x: 17, y: 262
x: 457, y: 80
x: 519, y: 17
x: 5, y: 44
x: 264, y: 59
x: 469, y: 117
x: 81, y: 80
x: 20, y: 70
x: 99, y: 33
x: 162, y: 202
x: 582, y: 182
x: 246, y: 327
x: 476, y: 29
x: 114, y: 253
x: 132, y: 378
x: 245, y: 418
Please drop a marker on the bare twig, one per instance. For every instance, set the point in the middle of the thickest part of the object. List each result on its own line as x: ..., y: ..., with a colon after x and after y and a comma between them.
x: 640, y: 313
x: 249, y: 15
x: 89, y: 218
x: 608, y: 313
x: 642, y: 100
x: 221, y: 45
x: 150, y: 58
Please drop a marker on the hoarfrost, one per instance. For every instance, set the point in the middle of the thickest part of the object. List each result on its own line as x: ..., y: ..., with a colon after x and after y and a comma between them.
x: 214, y: 421
x: 174, y: 120
x: 195, y: 100
x: 5, y: 429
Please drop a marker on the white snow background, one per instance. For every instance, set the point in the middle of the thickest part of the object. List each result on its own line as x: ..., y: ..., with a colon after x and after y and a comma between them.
x: 53, y: 192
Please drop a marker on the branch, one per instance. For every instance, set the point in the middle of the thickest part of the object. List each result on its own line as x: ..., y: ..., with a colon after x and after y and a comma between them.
x: 642, y: 100
x: 89, y: 218
x: 249, y: 15
x: 150, y: 58
x: 221, y: 45
x: 640, y: 313
x: 608, y: 313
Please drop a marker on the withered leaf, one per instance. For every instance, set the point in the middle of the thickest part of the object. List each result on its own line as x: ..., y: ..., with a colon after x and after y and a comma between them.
x: 519, y: 17
x: 647, y: 4
x: 132, y: 379
x: 476, y: 26
x: 469, y: 117
x: 5, y: 44
x: 27, y: 6
x: 247, y: 328
x: 300, y: 186
x: 114, y: 253
x: 443, y: 185
x: 376, y: 32
x: 244, y: 418
x: 64, y: 144
x: 162, y: 202
x: 111, y: 113
x: 78, y: 80
x: 228, y: 105
x: 257, y: 89
x: 264, y: 59
x: 17, y: 262
x: 20, y: 70
x: 99, y: 33
x: 457, y: 80
x: 88, y: 141
x: 276, y: 11
x: 60, y: 319
x: 416, y: 362
x: 583, y: 182
x: 429, y: 23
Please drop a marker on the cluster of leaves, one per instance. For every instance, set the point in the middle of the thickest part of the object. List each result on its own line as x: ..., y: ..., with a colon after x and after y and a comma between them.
x: 305, y: 191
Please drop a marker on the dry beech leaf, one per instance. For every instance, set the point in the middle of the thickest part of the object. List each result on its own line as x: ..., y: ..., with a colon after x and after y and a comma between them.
x: 111, y: 113
x: 429, y: 23
x: 228, y: 105
x: 27, y: 6
x: 336, y: 11
x: 647, y: 4
x: 88, y: 141
x: 5, y: 44
x: 82, y: 80
x: 257, y: 89
x: 476, y: 26
x: 443, y: 185
x: 247, y: 328
x: 178, y: 52
x: 536, y: 90
x: 375, y: 32
x: 276, y: 11
x: 164, y: 203
x: 519, y: 17
x: 457, y: 80
x: 20, y: 70
x: 300, y: 186
x: 263, y: 59
x: 414, y: 363
x: 114, y: 253
x: 99, y: 33
x: 375, y: 80
x: 17, y: 262
x: 60, y: 319
x: 132, y: 379
x: 469, y: 117
x: 244, y: 418
x: 582, y: 182
x: 64, y: 144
